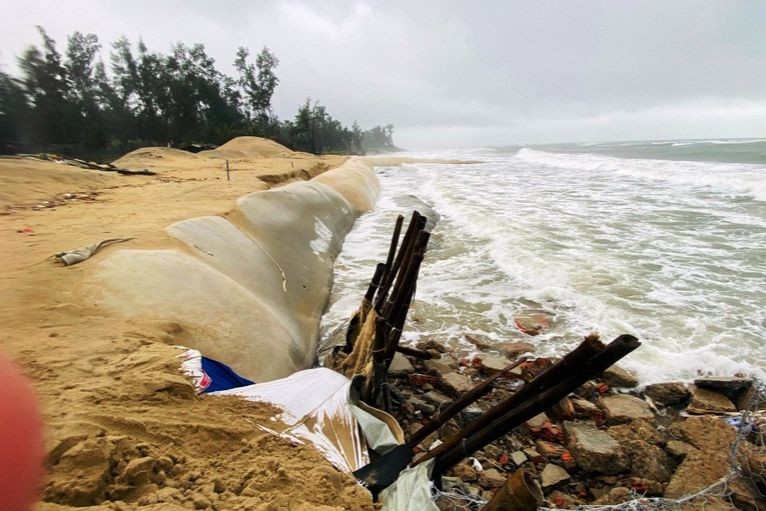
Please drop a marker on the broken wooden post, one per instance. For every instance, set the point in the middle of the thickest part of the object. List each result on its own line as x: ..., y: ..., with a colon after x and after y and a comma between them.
x: 228, y: 176
x: 519, y: 493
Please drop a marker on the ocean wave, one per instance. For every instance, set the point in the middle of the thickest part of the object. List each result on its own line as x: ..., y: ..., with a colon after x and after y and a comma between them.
x: 729, y: 178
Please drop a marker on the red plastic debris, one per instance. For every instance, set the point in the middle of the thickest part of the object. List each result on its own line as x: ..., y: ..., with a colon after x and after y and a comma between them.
x: 602, y: 388
x: 504, y: 458
x: 421, y: 379
x: 25, y: 230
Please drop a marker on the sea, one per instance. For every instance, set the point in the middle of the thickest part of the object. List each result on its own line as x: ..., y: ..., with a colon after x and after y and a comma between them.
x: 664, y: 240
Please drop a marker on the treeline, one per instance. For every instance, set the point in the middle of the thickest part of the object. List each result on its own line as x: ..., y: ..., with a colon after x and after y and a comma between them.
x: 148, y: 97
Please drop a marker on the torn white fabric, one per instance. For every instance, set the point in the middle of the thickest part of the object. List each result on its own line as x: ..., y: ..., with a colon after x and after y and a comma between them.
x: 315, y: 408
x: 412, y: 491
x: 79, y: 255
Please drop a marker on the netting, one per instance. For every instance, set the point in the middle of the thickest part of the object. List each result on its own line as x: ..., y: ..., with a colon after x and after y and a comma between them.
x: 743, y: 486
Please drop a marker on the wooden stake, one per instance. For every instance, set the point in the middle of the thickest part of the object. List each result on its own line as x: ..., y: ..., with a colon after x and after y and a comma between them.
x: 228, y: 176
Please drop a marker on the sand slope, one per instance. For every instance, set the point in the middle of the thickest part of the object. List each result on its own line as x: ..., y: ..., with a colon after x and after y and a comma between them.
x: 122, y: 424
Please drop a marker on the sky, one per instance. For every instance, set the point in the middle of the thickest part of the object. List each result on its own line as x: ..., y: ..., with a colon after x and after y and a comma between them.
x: 451, y: 74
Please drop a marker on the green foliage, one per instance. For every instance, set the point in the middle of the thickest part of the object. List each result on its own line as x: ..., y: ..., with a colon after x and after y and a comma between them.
x: 174, y: 98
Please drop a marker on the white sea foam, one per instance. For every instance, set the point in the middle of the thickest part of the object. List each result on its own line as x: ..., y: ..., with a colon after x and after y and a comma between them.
x: 672, y: 252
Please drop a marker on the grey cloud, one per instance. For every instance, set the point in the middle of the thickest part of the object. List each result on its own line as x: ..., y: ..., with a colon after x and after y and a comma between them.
x: 469, y: 73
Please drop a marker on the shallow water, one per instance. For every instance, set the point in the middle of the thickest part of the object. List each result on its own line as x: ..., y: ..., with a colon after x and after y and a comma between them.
x: 671, y: 251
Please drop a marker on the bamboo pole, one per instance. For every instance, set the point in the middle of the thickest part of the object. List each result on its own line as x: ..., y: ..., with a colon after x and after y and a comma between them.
x: 477, y: 392
x: 574, y: 359
x: 616, y: 350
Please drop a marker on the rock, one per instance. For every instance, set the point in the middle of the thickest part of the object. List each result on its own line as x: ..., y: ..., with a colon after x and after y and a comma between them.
x: 533, y: 455
x: 667, y: 393
x: 549, y: 449
x: 532, y: 323
x: 709, y: 462
x: 561, y: 500
x: 518, y: 458
x: 616, y: 495
x: 491, y: 364
x: 553, y: 475
x: 421, y: 406
x: 515, y: 349
x: 585, y: 409
x: 480, y: 341
x: 646, y: 487
x: 679, y: 449
x: 594, y: 450
x: 726, y: 385
x: 648, y: 460
x: 441, y: 365
x: 616, y: 376
x: 457, y: 383
x: 437, y: 398
x: 400, y: 365
x: 623, y: 408
x: 707, y: 401
x: 465, y: 472
x: 491, y: 479
x: 537, y: 421
x: 637, y: 429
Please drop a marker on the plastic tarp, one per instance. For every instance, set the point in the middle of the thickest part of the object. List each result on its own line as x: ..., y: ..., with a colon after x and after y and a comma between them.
x: 411, y: 492
x: 316, y: 407
x: 208, y: 375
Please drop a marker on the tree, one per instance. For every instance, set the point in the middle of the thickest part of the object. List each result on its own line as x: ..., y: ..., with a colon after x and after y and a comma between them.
x: 84, y: 90
x: 45, y: 83
x: 14, y: 111
x: 257, y: 83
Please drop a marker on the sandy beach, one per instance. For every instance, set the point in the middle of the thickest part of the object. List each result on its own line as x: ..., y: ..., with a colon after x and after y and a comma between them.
x: 122, y: 424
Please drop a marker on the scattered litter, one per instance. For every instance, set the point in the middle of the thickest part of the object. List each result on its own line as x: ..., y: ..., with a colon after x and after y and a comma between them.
x: 79, y: 255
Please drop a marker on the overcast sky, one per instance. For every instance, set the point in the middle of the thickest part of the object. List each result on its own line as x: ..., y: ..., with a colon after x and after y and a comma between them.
x: 471, y: 73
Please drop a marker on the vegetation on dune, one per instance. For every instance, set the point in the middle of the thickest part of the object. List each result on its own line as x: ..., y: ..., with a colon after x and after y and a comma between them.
x: 72, y: 101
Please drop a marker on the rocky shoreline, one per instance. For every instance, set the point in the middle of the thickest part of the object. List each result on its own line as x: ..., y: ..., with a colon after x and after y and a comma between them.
x: 609, y: 442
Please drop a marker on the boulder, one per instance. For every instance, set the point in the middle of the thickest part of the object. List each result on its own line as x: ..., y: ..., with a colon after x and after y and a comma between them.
x: 584, y: 409
x: 667, y: 393
x: 623, y: 408
x: 649, y: 461
x: 441, y: 365
x: 491, y: 364
x: 457, y: 383
x: 637, y: 429
x: 594, y: 450
x: 480, y: 341
x: 515, y: 349
x: 705, y: 401
x: 709, y: 462
x: 616, y: 376
x: 553, y: 475
x: 726, y: 385
x: 400, y: 366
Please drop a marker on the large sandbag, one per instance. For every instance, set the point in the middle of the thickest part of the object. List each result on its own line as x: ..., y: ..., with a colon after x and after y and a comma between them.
x: 251, y: 286
x: 355, y: 181
x: 225, y: 321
